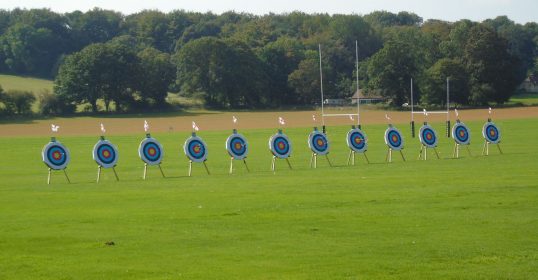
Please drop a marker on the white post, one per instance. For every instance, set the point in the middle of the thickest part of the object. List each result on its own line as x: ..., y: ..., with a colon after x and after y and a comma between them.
x: 447, y: 98
x: 412, y: 117
x: 321, y: 87
x: 357, y: 69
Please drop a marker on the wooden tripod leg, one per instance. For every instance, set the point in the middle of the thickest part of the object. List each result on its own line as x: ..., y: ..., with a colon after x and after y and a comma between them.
x: 353, y: 158
x: 387, y: 156
x: 145, y: 171
x: 328, y: 160
x: 289, y: 164
x: 98, y: 173
x: 245, y: 162
x: 231, y: 166
x: 162, y: 173
x: 420, y: 153
x: 311, y: 160
x: 454, y: 152
x: 436, y: 153
x: 484, y: 148
x: 48, y: 178
x: 115, y: 174
x: 67, y: 177
x: 206, y: 169
x: 190, y: 168
x: 401, y: 153
x: 499, y: 146
x: 366, y: 157
x: 315, y: 161
x: 469, y: 150
x: 349, y: 157
x: 273, y: 164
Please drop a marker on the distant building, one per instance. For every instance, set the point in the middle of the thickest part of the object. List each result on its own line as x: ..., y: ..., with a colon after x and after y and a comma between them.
x: 368, y: 98
x: 530, y: 84
x: 335, y: 102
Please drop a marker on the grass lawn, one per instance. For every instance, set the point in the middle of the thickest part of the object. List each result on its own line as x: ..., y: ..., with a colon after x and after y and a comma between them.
x: 527, y: 99
x: 470, y: 218
x: 25, y: 83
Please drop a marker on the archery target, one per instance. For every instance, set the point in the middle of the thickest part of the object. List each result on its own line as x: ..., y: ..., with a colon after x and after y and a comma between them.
x: 461, y: 134
x: 55, y: 155
x: 195, y: 149
x: 427, y: 136
x: 237, y: 146
x: 150, y: 151
x: 105, y: 154
x: 491, y: 133
x: 280, y: 145
x: 356, y: 140
x: 393, y: 138
x: 318, y: 143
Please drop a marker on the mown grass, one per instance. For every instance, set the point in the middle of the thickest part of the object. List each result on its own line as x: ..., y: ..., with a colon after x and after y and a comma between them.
x: 469, y: 218
x: 36, y: 85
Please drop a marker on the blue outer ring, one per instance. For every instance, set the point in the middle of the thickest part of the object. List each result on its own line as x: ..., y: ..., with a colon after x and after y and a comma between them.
x: 487, y: 129
x: 189, y: 149
x: 313, y: 144
x: 277, y: 139
x: 351, y: 137
x: 456, y: 131
x: 234, y: 152
x: 99, y: 148
x: 145, y: 146
x: 50, y: 161
x: 425, y: 130
x: 397, y: 144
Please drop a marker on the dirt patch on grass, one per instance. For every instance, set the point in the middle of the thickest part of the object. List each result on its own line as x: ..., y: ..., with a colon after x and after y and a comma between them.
x: 246, y: 120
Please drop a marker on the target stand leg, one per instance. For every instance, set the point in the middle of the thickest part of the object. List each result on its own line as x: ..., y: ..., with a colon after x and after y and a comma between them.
x: 67, y: 177
x: 206, y: 169
x: 190, y: 168
x: 421, y: 151
x: 273, y: 164
x: 455, y: 154
x: 115, y: 174
x: 388, y: 158
x: 499, y: 146
x: 289, y: 164
x: 246, y: 166
x: 314, y: 160
x: 98, y: 173
x: 469, y: 150
x: 436, y: 153
x: 349, y: 157
x: 48, y: 178
x: 366, y: 157
x: 311, y: 159
x: 231, y: 166
x: 328, y: 160
x: 145, y: 171
x: 162, y: 173
x: 401, y: 153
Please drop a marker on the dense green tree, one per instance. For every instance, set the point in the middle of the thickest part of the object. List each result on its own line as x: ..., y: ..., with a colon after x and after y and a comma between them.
x: 433, y: 83
x: 158, y: 73
x: 18, y: 101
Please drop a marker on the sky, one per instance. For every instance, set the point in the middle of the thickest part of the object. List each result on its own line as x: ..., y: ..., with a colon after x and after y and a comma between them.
x: 520, y: 11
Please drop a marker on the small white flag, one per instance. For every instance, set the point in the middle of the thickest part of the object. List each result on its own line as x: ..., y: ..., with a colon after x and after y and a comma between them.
x: 314, y: 117
x: 195, y: 127
x: 425, y: 112
x: 456, y: 111
x: 103, y: 128
x: 281, y: 121
x: 351, y: 117
x: 54, y: 127
x: 387, y: 117
x: 489, y: 110
x: 234, y: 119
x: 146, y: 126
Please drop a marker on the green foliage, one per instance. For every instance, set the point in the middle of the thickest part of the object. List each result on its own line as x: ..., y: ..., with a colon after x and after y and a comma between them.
x: 50, y: 104
x: 433, y: 83
x: 157, y: 73
x: 17, y: 101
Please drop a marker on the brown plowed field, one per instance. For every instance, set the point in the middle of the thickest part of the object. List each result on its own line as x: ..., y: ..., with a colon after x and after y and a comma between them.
x: 223, y: 121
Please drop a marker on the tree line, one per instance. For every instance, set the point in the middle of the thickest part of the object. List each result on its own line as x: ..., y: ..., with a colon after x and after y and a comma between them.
x: 122, y: 62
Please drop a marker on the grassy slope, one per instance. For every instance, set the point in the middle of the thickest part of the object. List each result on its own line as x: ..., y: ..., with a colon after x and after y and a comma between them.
x: 24, y: 83
x: 470, y: 218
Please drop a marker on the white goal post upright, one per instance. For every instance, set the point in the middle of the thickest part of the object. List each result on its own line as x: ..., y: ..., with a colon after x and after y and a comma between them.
x: 447, y: 112
x: 323, y: 114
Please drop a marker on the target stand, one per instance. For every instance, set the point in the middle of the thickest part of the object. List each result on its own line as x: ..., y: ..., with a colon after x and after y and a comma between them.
x: 105, y: 155
x: 357, y: 142
x: 237, y: 147
x: 56, y: 157
x: 394, y: 141
x: 428, y: 139
x: 462, y: 136
x: 150, y: 152
x: 492, y: 135
x: 443, y: 112
x: 196, y: 151
x: 319, y: 145
x: 280, y: 147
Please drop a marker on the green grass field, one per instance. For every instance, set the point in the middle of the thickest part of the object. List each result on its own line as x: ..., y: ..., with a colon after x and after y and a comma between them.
x: 470, y: 218
x: 10, y: 82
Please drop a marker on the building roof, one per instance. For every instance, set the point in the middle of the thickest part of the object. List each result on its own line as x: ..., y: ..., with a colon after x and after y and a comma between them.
x: 359, y: 94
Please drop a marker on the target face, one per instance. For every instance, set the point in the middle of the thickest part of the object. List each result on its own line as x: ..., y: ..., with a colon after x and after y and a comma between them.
x: 150, y: 151
x: 237, y: 146
x: 491, y: 133
x: 55, y: 155
x: 461, y: 134
x: 280, y: 145
x: 393, y: 138
x: 195, y: 149
x: 356, y: 140
x: 105, y: 154
x: 427, y: 136
x: 318, y: 143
